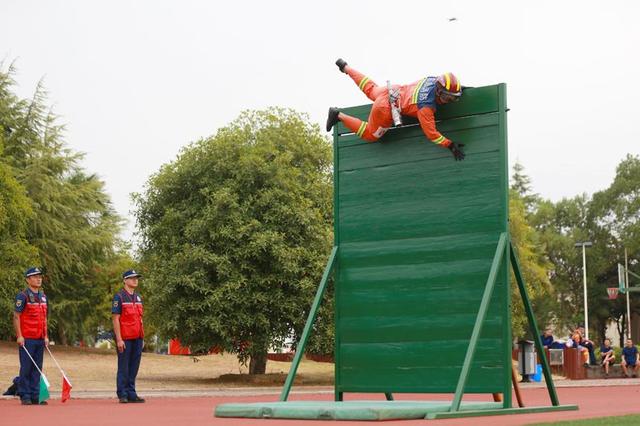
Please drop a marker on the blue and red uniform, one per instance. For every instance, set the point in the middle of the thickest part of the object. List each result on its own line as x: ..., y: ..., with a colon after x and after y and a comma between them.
x: 33, y: 308
x: 129, y: 307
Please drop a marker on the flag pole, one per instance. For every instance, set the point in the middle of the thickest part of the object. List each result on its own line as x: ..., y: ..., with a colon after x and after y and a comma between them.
x: 57, y: 365
x: 34, y: 363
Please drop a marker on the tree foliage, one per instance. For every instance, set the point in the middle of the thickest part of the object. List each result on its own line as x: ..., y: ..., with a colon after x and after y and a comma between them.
x: 68, y: 219
x: 235, y: 233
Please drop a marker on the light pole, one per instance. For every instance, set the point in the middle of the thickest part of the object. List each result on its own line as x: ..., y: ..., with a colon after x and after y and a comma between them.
x: 585, y: 244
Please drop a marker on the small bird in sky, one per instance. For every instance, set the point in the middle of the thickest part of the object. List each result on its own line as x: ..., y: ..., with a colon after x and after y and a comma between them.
x: 453, y: 19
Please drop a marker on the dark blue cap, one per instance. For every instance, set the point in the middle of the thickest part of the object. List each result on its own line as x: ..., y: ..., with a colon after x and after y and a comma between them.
x: 32, y: 271
x: 130, y: 274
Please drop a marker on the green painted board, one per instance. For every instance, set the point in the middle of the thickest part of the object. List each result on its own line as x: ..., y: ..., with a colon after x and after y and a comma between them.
x: 417, y: 233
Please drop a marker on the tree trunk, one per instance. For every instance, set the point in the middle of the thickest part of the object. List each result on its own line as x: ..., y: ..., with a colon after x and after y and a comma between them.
x: 62, y: 335
x: 258, y: 364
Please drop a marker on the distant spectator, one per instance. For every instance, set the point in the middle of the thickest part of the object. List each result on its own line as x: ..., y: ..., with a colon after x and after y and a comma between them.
x: 549, y: 342
x: 574, y: 342
x: 608, y: 356
x: 630, y: 358
x: 547, y: 338
x: 589, y: 345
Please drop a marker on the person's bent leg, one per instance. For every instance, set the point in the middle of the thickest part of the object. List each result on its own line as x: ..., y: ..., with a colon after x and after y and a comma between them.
x: 364, y: 83
x: 592, y: 354
x: 357, y: 126
x: 134, y: 366
x: 623, y: 364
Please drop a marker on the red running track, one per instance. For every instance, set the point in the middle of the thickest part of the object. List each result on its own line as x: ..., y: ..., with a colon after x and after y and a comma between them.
x: 593, y: 402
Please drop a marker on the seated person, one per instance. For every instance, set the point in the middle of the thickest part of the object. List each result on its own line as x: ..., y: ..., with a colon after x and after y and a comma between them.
x: 549, y: 342
x: 574, y: 342
x: 547, y: 338
x: 589, y: 345
x: 608, y: 356
x: 630, y: 358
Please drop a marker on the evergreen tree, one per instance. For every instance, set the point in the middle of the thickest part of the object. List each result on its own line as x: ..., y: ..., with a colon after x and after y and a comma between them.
x: 71, y: 224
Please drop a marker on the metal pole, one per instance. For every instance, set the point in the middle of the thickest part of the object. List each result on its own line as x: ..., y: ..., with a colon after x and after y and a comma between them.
x: 586, y: 309
x: 626, y: 285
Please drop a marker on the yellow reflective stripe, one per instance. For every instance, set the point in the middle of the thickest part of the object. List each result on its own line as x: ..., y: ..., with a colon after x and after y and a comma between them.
x: 414, y: 97
x: 439, y: 140
x: 360, y: 131
x: 448, y: 78
x: 363, y: 82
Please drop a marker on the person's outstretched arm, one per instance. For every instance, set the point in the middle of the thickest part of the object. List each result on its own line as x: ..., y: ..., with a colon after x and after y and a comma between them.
x: 427, y: 120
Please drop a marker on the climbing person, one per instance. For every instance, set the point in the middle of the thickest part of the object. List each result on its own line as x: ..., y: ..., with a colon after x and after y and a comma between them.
x: 419, y: 99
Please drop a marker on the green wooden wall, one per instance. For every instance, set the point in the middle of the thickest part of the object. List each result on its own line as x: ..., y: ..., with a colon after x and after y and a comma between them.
x: 417, y: 232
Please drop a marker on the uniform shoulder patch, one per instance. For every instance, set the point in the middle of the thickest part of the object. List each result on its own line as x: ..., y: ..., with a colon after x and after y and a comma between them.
x: 18, y: 303
x: 115, y: 303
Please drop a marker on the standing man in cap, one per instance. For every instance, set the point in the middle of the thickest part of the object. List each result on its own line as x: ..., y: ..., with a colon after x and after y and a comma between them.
x: 127, y: 313
x: 30, y: 324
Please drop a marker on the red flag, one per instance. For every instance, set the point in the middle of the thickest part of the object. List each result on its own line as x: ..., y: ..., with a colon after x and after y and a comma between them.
x: 66, y: 388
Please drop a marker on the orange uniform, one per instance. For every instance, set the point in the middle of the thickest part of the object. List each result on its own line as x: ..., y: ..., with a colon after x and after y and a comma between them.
x: 417, y: 99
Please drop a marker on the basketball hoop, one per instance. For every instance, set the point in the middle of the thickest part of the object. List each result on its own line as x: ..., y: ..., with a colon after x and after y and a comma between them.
x: 612, y: 292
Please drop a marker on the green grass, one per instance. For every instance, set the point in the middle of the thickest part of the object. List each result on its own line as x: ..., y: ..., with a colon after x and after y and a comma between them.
x: 630, y: 420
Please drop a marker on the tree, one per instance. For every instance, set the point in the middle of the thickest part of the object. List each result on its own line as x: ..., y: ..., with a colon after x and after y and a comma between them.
x: 236, y: 232
x: 521, y: 184
x: 15, y: 250
x: 615, y: 213
x: 560, y: 225
x: 534, y: 266
x: 72, y: 224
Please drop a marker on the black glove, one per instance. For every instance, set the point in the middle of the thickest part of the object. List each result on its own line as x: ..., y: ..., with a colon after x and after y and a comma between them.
x: 456, y: 149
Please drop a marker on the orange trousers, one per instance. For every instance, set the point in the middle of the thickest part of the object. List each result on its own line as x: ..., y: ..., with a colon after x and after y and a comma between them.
x: 380, y: 119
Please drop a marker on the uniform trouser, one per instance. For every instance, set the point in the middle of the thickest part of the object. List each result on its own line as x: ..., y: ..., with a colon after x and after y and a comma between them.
x: 128, y: 365
x: 29, y: 382
x: 380, y: 118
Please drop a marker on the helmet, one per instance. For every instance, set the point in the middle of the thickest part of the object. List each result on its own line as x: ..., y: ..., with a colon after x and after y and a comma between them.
x: 448, y: 87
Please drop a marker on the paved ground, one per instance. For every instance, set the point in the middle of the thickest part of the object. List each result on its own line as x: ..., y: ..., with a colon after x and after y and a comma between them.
x: 190, y: 410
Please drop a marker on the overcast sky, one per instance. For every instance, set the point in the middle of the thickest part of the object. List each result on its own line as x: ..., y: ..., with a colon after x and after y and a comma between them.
x: 136, y: 81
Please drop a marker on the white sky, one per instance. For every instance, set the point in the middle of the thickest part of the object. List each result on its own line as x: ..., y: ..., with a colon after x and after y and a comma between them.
x: 135, y: 81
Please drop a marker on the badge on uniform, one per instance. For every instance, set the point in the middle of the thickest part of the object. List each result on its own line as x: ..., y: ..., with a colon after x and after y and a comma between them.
x: 115, y: 303
x: 18, y: 303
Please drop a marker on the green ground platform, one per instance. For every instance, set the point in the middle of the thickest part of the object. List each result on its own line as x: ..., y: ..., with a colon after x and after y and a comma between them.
x: 369, y: 410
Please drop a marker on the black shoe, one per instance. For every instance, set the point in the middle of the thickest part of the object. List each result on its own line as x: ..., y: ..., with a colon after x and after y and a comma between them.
x: 332, y: 118
x: 26, y: 402
x: 341, y: 63
x: 137, y: 400
x: 123, y: 400
x: 13, y: 389
x: 39, y: 403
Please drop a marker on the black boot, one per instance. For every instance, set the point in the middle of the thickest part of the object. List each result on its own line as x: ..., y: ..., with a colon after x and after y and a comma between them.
x: 332, y: 118
x: 341, y: 63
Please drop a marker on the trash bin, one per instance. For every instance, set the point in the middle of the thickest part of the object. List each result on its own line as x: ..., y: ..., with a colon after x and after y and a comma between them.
x: 526, y: 359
